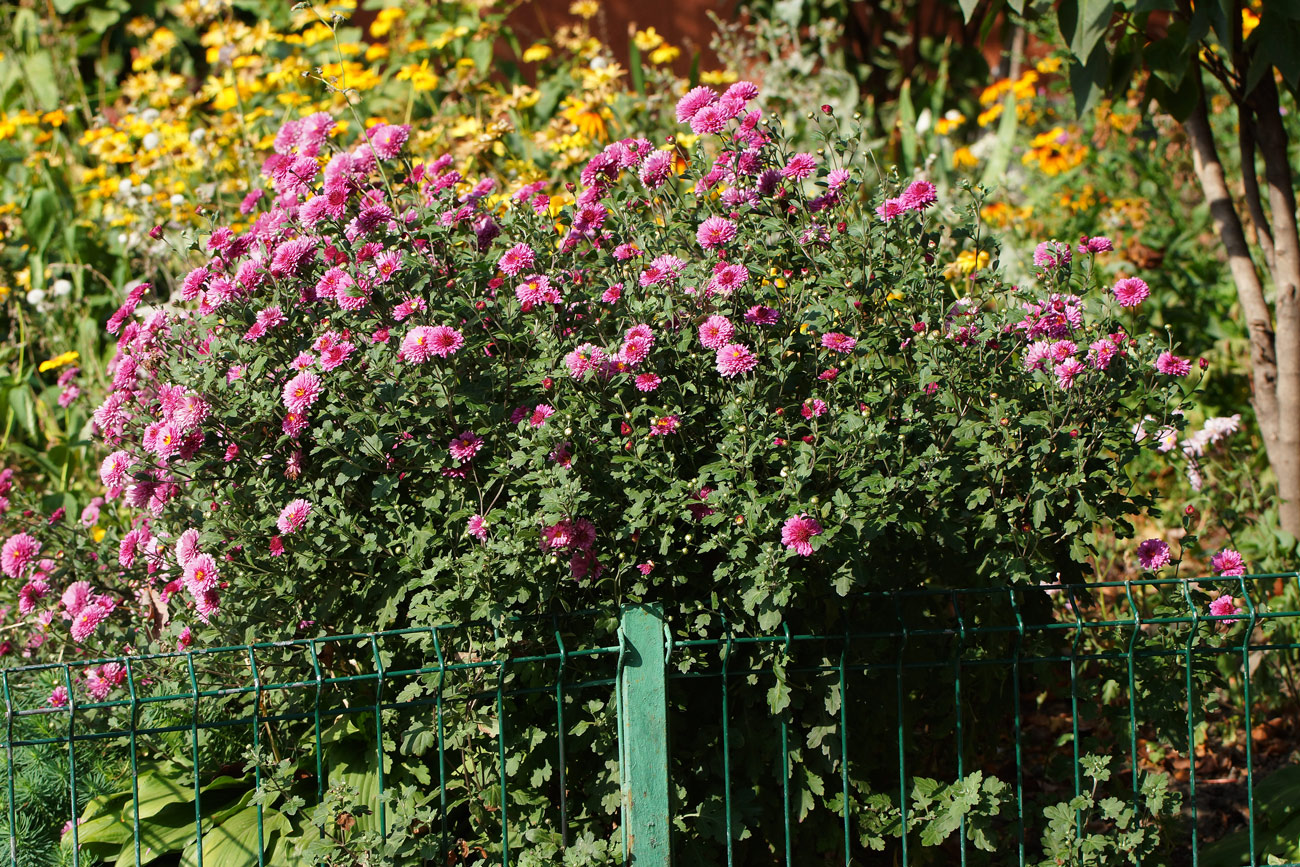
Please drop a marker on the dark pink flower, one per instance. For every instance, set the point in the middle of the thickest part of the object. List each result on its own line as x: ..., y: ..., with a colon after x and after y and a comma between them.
x: 1131, y: 291
x: 1153, y: 554
x: 797, y: 533
x: 1228, y: 563
x: 293, y: 516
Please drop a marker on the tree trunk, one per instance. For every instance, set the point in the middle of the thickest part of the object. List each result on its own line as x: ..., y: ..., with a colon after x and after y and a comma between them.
x: 1279, y: 422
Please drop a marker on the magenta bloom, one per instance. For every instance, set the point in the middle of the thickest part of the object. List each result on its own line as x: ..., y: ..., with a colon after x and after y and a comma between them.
x: 1224, y: 606
x: 836, y: 342
x: 716, y: 332
x: 890, y: 209
x: 518, y: 258
x: 417, y: 345
x: 18, y: 554
x: 798, y: 532
x: 584, y: 359
x: 540, y: 414
x: 762, y: 315
x: 715, y: 232
x: 799, y: 167
x: 465, y: 446
x: 187, y: 546
x: 695, y: 99
x: 477, y: 527
x: 1153, y: 554
x: 1052, y: 254
x: 1066, y: 371
x: 1172, y: 365
x: 445, y: 340
x: 201, y: 574
x: 59, y: 698
x: 537, y: 289
x: 1131, y: 291
x: 301, y: 392
x: 647, y: 382
x: 918, y: 196
x: 293, y: 516
x: 1228, y: 563
x: 735, y: 359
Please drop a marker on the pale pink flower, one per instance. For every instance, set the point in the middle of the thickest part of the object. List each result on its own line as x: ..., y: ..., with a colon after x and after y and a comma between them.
x: 715, y: 232
x: 518, y: 258
x: 113, y: 471
x: 694, y: 100
x: 1224, y: 606
x: 87, y: 620
x: 445, y: 340
x: 18, y: 553
x: 1066, y: 372
x: 584, y: 359
x: 478, y: 527
x: 201, y: 573
x: 417, y: 345
x: 187, y: 547
x: 799, y: 166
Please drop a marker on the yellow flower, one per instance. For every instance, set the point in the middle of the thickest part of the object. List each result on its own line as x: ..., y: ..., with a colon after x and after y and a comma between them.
x: 665, y: 54
x: 1055, y: 151
x: 384, y: 21
x: 54, y: 118
x: 98, y: 533
x: 536, y: 53
x: 963, y: 158
x: 586, y: 9
x: 422, y: 78
x: 1048, y: 65
x: 590, y: 120
x: 990, y: 114
x: 967, y: 262
x: 1249, y: 21
x: 949, y: 122
x: 647, y: 40
x: 59, y: 361
x: 718, y: 76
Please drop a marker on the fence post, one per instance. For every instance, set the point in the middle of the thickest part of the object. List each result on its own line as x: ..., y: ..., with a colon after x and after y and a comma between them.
x: 643, y: 732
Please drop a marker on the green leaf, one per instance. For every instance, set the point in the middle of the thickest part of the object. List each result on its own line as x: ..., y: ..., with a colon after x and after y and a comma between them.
x: 41, y: 217
x: 233, y: 843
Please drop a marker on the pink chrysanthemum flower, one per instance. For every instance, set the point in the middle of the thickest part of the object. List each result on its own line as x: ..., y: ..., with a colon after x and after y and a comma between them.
x: 735, y: 359
x: 59, y: 698
x: 518, y: 258
x: 694, y: 100
x: 656, y: 169
x: 634, y: 350
x: 836, y: 342
x: 1224, y: 606
x: 647, y: 382
x: 207, y: 604
x: 113, y: 471
x: 417, y: 345
x: 540, y: 414
x: 1066, y: 372
x: 18, y: 554
x: 1171, y: 365
x: 799, y: 167
x: 584, y: 359
x: 87, y: 621
x: 742, y: 90
x: 918, y: 196
x: 201, y: 573
x: 477, y: 527
x: 187, y: 547
x: 1228, y: 563
x: 716, y: 332
x: 301, y: 392
x: 728, y: 278
x: 612, y: 294
x: 536, y: 289
x: 445, y: 340
x: 294, y: 424
x: 1153, y: 554
x: 293, y: 516
x: 665, y: 425
x: 797, y: 533
x: 814, y: 408
x: 465, y: 446
x: 1052, y: 254
x: 762, y: 315
x: 715, y: 232
x: 890, y: 209
x: 1131, y: 291
x: 387, y: 140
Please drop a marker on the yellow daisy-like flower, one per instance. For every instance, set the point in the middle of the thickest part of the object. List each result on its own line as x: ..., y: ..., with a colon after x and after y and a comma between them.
x: 586, y: 9
x: 1054, y: 151
x: 665, y: 54
x: 422, y: 78
x: 966, y: 263
x: 949, y: 122
x: 59, y: 361
x: 384, y: 21
x: 719, y: 76
x: 647, y: 40
x: 589, y: 119
x: 964, y: 158
x: 536, y: 53
x: 1048, y: 65
x: 54, y: 118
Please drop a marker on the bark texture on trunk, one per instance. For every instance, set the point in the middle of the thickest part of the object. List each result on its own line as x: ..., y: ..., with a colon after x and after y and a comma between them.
x: 1274, y: 354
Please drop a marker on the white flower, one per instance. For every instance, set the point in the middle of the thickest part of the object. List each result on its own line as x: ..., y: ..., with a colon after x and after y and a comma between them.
x: 61, y: 287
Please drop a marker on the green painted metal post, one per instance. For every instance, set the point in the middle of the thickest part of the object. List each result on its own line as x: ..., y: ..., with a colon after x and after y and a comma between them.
x: 644, y: 730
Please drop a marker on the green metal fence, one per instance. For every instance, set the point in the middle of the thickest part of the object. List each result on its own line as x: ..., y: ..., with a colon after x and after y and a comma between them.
x: 926, y: 727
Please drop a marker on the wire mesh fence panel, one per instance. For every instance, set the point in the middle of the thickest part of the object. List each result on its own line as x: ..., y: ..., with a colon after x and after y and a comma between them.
x: 1140, y: 722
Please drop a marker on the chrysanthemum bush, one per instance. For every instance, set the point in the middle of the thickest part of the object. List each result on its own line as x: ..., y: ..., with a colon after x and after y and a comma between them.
x: 403, y: 396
